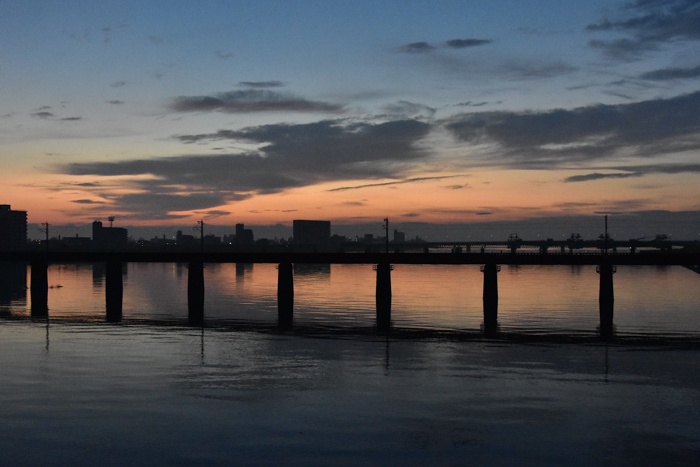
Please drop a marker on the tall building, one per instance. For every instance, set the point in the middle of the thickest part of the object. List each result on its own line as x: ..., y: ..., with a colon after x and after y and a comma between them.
x: 13, y: 228
x: 311, y: 232
x: 243, y: 236
x: 108, y: 237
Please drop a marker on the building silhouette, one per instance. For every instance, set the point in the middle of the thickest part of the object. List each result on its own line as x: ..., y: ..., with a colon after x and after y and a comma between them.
x: 243, y: 236
x: 108, y: 237
x: 311, y: 232
x: 13, y: 228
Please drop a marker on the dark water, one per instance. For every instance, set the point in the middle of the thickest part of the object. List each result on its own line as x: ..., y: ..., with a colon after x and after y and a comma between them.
x: 151, y: 390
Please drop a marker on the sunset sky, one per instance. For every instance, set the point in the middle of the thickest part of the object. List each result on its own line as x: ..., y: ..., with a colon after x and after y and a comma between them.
x: 165, y: 112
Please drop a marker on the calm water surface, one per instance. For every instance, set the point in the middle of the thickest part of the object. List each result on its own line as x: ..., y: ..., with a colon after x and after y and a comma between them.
x: 153, y: 391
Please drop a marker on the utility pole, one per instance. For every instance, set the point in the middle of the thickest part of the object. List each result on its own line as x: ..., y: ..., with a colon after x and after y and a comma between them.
x: 46, y: 226
x: 386, y: 228
x: 201, y: 235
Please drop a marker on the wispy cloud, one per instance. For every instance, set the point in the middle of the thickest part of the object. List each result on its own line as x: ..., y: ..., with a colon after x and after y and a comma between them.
x: 416, y: 48
x: 261, y: 84
x: 251, y: 100
x: 223, y: 55
x: 87, y: 201
x: 425, y: 47
x: 464, y: 43
x: 650, y: 24
x: 599, y: 176
x: 45, y: 115
x: 546, y: 139
x: 409, y: 109
x: 667, y: 74
x: 398, y: 182
x: 637, y: 171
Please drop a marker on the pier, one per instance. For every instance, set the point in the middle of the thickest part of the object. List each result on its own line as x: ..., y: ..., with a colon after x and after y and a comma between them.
x: 383, y: 263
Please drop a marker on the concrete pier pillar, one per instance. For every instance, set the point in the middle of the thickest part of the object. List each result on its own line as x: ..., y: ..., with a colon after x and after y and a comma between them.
x: 606, y: 299
x: 490, y: 271
x: 195, y: 292
x: 39, y: 287
x: 285, y: 295
x: 383, y: 296
x: 114, y: 290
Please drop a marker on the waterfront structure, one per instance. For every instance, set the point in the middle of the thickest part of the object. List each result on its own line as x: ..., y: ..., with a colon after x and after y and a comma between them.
x: 311, y: 233
x: 490, y: 265
x: 13, y: 228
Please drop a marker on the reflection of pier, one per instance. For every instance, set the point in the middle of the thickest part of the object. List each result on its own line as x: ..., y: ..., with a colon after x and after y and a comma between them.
x: 13, y: 283
x: 490, y: 265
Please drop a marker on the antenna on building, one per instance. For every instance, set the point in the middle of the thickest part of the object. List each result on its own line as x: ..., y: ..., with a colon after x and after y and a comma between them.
x: 111, y: 221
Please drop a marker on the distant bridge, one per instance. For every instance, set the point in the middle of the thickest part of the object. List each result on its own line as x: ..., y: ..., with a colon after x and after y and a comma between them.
x: 490, y: 265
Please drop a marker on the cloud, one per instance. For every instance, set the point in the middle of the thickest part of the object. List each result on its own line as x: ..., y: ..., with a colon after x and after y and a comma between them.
x: 650, y: 24
x: 71, y: 119
x: 251, y: 100
x: 118, y: 84
x: 289, y: 156
x: 667, y: 74
x: 547, y: 138
x: 464, y: 43
x: 409, y: 109
x: 536, y: 70
x: 473, y: 104
x: 115, y: 102
x: 156, y: 39
x: 156, y: 204
x: 598, y: 176
x: 416, y: 48
x: 223, y: 55
x: 86, y: 201
x: 214, y: 213
x: 43, y: 115
x: 398, y: 182
x: 410, y: 214
x: 638, y: 171
x: 261, y: 84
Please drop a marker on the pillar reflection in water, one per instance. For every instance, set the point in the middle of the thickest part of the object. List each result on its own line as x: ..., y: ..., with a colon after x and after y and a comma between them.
x: 285, y: 295
x: 13, y: 284
x: 39, y: 287
x: 383, y: 297
x: 195, y: 292
x: 606, y: 299
x: 114, y: 290
x: 490, y: 271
